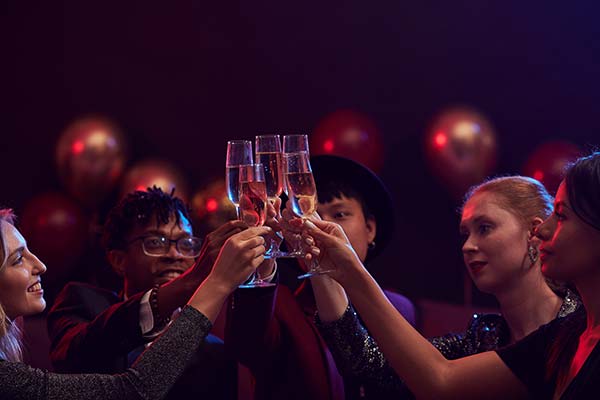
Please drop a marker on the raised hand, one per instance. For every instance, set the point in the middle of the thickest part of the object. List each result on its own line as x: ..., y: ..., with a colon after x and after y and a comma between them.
x: 330, y: 244
x: 214, y: 241
x: 241, y: 254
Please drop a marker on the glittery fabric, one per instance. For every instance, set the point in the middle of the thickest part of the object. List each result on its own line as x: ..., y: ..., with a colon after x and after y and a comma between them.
x: 356, y: 353
x: 152, y: 375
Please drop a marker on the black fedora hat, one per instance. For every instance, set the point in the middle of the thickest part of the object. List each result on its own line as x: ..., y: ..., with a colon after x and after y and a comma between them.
x: 327, y: 168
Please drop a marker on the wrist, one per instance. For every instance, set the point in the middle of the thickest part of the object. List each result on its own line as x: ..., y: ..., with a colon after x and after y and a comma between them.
x: 218, y: 286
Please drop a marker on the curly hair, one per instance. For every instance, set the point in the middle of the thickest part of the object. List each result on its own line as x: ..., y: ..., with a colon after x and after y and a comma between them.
x: 138, y: 208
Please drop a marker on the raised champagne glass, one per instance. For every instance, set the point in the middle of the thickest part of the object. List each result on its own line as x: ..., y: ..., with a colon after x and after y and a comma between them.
x: 253, y: 206
x: 268, y: 153
x: 239, y: 152
x: 302, y: 193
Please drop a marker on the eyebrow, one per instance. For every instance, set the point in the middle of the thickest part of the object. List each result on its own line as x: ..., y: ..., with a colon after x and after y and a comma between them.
x: 475, y: 220
x: 19, y: 250
x: 162, y: 233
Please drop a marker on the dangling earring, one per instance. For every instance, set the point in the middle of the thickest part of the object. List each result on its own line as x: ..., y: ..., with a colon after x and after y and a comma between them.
x: 371, y: 245
x: 533, y: 253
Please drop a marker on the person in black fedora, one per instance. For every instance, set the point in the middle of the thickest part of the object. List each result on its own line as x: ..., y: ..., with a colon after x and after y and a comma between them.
x: 272, y: 330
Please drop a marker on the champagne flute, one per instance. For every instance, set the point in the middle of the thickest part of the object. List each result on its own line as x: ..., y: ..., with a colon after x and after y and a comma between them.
x: 239, y: 152
x: 268, y: 153
x: 294, y: 144
x: 253, y: 206
x: 302, y: 193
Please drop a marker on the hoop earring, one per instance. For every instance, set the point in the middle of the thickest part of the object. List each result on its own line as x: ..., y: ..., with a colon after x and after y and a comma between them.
x: 533, y: 254
x: 371, y: 245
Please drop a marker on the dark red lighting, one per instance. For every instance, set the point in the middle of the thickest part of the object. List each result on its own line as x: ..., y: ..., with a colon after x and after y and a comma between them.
x: 440, y: 139
x: 328, y: 146
x: 77, y: 147
x: 212, y: 205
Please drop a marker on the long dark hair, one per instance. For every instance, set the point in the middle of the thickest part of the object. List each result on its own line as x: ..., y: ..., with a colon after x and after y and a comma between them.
x: 583, y: 190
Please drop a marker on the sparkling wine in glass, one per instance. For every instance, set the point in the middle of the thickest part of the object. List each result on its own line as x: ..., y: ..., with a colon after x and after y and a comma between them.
x: 239, y: 152
x: 294, y: 144
x: 302, y: 193
x: 253, y: 205
x: 268, y: 153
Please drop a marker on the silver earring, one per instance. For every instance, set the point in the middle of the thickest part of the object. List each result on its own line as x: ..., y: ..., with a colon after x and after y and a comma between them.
x: 533, y: 253
x: 371, y: 245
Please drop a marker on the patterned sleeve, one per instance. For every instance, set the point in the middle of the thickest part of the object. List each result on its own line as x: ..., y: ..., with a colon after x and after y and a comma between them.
x: 356, y: 353
x: 151, y: 377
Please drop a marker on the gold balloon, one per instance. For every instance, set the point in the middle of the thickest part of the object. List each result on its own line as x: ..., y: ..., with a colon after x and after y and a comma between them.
x: 90, y: 157
x: 461, y: 148
x: 211, y: 207
x: 157, y: 173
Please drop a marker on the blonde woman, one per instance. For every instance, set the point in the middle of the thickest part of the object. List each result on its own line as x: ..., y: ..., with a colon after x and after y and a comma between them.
x: 156, y: 369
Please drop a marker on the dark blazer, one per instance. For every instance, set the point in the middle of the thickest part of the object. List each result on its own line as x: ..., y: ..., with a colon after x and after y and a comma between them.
x: 93, y: 330
x: 272, y: 331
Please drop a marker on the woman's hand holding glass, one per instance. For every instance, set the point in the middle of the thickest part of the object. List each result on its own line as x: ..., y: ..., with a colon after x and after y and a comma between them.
x: 324, y: 241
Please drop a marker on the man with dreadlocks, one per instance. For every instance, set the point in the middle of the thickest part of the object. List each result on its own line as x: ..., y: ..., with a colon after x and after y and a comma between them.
x: 149, y: 242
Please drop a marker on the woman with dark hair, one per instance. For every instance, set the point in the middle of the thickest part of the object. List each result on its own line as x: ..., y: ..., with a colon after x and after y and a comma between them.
x: 156, y: 369
x: 559, y: 360
x: 501, y: 255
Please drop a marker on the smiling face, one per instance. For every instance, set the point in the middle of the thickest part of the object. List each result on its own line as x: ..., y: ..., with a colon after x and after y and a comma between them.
x: 495, y: 243
x: 141, y: 271
x: 570, y: 249
x: 349, y: 214
x: 21, y: 292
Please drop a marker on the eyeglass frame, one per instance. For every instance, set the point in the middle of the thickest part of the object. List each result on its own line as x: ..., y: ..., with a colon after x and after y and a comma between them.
x: 171, y: 241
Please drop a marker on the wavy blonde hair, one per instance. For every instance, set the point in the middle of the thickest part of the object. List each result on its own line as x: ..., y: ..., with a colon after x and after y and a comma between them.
x: 10, y: 333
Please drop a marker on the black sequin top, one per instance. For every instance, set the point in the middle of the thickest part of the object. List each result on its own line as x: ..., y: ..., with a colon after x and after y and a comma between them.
x: 150, y: 377
x: 356, y: 353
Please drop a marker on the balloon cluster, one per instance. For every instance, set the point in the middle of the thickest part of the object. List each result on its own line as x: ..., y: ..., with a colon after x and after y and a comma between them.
x: 349, y: 134
x: 460, y: 146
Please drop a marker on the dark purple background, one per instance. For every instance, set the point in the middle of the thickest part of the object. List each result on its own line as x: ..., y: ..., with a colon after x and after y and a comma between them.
x: 183, y: 77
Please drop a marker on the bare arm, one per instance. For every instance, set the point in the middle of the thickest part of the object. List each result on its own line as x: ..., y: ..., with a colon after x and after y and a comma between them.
x: 426, y: 372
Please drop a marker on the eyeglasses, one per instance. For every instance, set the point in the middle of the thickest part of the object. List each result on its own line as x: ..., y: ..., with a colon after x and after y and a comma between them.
x: 157, y: 245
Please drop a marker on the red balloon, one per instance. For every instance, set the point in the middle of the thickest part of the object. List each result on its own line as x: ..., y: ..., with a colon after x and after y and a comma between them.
x: 460, y: 146
x: 211, y: 207
x: 548, y: 163
x: 349, y: 134
x: 56, y: 230
x: 90, y: 157
x: 157, y: 173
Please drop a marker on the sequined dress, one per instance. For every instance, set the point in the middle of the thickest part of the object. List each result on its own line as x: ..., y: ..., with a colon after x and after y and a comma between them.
x: 356, y: 353
x: 150, y: 377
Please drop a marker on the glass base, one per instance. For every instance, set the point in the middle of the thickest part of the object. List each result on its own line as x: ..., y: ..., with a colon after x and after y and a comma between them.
x: 283, y: 254
x: 314, y: 272
x: 254, y: 284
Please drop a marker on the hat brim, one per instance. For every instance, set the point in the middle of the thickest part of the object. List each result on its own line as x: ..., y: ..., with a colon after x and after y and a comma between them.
x: 368, y: 185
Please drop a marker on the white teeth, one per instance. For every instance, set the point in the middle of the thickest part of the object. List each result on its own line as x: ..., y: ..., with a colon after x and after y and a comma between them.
x: 170, y: 274
x: 34, y: 288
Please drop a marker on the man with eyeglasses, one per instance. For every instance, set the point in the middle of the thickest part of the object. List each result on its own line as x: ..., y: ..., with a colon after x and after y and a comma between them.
x: 149, y: 242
